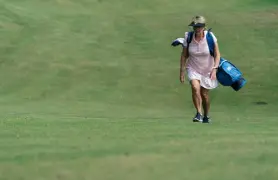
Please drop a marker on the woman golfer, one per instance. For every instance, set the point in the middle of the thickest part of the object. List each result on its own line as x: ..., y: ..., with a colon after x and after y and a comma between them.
x: 201, y: 68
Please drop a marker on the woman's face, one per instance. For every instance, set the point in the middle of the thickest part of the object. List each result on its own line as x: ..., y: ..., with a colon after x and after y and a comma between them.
x: 199, y: 30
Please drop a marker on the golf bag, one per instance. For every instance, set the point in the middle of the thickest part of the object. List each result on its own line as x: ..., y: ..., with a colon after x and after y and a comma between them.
x: 227, y: 73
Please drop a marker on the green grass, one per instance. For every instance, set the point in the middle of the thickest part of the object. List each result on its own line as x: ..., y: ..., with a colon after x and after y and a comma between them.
x: 90, y: 89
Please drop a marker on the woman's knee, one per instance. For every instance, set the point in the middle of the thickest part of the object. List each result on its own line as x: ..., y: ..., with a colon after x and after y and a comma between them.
x: 195, y: 86
x: 205, y: 93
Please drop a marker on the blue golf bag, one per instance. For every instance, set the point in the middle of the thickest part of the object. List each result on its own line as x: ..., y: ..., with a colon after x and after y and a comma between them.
x: 227, y: 73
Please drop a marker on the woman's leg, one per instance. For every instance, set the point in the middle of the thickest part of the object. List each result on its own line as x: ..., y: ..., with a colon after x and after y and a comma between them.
x: 205, y: 100
x: 196, y: 95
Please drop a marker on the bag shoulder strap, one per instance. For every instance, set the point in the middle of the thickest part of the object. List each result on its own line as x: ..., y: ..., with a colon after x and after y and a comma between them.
x: 189, y: 38
x: 210, y: 42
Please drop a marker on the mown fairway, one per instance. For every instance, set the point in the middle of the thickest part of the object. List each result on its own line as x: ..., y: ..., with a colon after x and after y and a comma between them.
x: 89, y: 90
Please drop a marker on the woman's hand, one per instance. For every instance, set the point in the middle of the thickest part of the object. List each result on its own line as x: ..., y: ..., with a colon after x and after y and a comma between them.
x: 182, y: 77
x: 213, y: 74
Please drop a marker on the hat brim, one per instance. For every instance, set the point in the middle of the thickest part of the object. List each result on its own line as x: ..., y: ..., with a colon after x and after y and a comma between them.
x: 193, y: 24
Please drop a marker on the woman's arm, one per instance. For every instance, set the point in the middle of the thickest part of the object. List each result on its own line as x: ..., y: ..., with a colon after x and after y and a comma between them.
x: 216, y: 55
x: 216, y: 61
x: 183, y: 59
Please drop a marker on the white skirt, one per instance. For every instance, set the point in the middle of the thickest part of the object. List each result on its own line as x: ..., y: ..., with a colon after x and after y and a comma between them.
x: 205, y: 82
